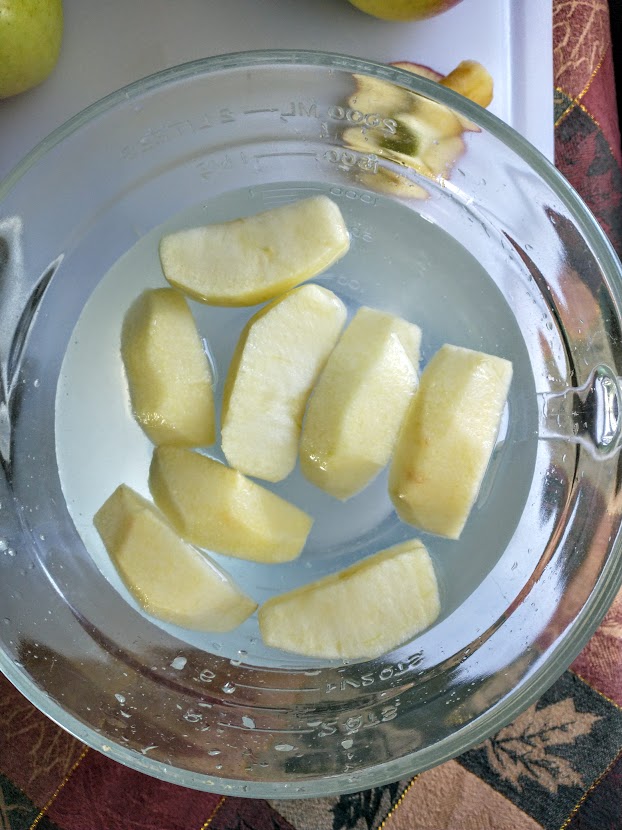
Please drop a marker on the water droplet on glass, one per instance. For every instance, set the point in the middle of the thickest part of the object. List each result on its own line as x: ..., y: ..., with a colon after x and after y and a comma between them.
x: 228, y: 688
x: 179, y: 663
x: 249, y: 723
x: 36, y: 383
x: 3, y: 546
x: 6, y: 620
x: 214, y: 752
x: 283, y: 747
x: 347, y: 744
x: 120, y: 698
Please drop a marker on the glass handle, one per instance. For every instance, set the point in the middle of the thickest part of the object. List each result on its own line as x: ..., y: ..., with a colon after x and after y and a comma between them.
x: 587, y: 415
x: 19, y: 304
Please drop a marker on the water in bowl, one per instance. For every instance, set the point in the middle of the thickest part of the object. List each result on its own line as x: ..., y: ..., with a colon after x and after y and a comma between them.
x: 400, y: 262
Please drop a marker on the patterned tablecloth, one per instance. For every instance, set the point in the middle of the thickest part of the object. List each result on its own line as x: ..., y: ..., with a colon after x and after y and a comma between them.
x: 558, y: 766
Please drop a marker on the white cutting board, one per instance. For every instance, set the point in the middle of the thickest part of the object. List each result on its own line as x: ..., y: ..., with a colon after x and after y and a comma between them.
x: 110, y: 43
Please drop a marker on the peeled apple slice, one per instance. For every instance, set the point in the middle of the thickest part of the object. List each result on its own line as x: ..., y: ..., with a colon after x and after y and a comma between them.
x: 447, y: 439
x: 169, y: 378
x: 215, y: 507
x: 170, y: 579
x: 247, y: 261
x: 361, y: 612
x: 279, y: 357
x: 360, y: 400
x: 373, y: 95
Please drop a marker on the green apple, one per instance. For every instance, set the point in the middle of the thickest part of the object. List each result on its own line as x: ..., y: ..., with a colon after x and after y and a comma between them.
x: 249, y: 260
x: 279, y: 357
x: 31, y: 32
x: 361, y: 612
x: 170, y: 579
x: 447, y: 439
x: 403, y: 9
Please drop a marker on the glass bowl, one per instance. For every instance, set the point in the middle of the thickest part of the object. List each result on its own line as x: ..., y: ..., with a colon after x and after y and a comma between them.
x: 457, y: 224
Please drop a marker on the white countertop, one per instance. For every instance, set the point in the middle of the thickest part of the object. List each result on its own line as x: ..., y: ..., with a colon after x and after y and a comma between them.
x: 112, y: 43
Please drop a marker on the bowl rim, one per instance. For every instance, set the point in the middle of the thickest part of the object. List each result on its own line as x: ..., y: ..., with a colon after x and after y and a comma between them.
x: 610, y: 580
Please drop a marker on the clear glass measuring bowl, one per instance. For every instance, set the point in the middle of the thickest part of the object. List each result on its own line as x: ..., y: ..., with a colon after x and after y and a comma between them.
x: 458, y: 225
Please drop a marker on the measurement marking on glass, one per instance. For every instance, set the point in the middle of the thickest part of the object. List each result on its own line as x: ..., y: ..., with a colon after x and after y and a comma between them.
x: 293, y: 191
x: 273, y: 689
x: 270, y: 731
x: 279, y: 155
x: 256, y: 112
x: 285, y: 197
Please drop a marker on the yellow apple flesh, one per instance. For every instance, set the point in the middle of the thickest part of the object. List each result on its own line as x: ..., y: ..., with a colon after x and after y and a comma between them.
x: 250, y: 260
x: 215, y: 507
x: 168, y: 374
x: 31, y: 33
x: 447, y: 439
x: 170, y: 579
x: 472, y: 80
x: 426, y: 136
x: 357, y: 407
x: 361, y: 612
x: 279, y: 357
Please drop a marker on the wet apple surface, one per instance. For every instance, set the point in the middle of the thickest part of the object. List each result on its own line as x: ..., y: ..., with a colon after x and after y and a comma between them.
x: 410, y: 288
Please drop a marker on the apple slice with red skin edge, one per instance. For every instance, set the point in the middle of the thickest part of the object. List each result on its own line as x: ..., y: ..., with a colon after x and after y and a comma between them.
x: 417, y: 121
x: 435, y: 154
x: 418, y: 69
x: 440, y: 158
x: 383, y: 179
x: 461, y: 80
x: 414, y: 145
x: 374, y: 96
x: 393, y: 184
